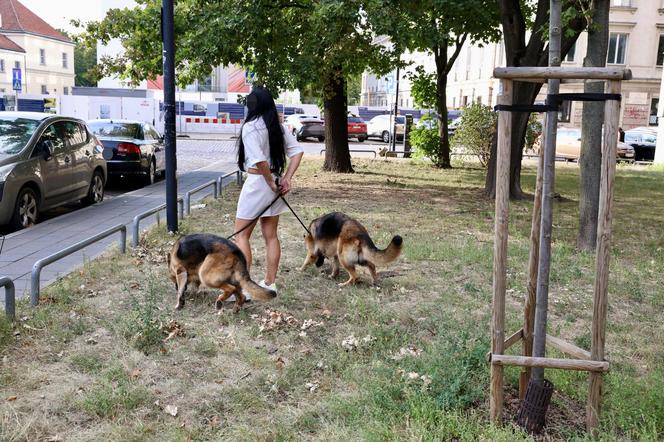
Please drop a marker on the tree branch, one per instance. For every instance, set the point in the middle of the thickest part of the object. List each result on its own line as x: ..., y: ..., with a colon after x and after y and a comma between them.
x: 457, y: 50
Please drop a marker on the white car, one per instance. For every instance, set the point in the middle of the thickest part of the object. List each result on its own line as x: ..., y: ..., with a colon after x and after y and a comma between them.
x: 305, y: 126
x: 381, y: 126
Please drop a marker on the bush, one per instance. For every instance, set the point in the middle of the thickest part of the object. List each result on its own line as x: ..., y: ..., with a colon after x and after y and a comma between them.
x: 533, y: 133
x: 425, y: 140
x: 476, y: 130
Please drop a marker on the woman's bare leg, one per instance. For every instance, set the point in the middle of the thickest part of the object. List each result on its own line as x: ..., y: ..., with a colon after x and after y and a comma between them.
x: 242, y: 238
x: 269, y: 226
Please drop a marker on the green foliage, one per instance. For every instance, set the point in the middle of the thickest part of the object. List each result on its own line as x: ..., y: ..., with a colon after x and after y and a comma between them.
x: 141, y: 326
x: 425, y: 140
x: 5, y: 331
x: 533, y: 132
x: 423, y: 88
x: 476, y: 130
x: 113, y: 396
x: 354, y: 89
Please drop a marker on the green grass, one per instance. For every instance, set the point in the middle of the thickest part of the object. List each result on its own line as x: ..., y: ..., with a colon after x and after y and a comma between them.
x: 98, y: 356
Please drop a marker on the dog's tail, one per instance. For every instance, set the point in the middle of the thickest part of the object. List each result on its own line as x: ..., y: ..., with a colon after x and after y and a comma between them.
x: 255, y: 291
x: 381, y: 257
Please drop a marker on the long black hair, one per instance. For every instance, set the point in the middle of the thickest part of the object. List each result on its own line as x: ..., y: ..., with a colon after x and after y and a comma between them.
x: 261, y: 104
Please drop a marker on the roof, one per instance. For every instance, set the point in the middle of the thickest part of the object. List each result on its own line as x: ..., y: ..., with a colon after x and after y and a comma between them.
x: 9, y: 45
x: 18, y: 18
x: 27, y: 115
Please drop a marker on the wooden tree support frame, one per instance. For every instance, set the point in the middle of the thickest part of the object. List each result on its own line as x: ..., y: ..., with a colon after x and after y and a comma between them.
x: 592, y: 361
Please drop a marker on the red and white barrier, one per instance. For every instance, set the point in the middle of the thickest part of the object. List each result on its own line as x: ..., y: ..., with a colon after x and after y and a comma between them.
x: 206, y: 124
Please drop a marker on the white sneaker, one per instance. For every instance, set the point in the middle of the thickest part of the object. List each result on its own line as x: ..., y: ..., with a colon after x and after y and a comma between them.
x: 272, y: 286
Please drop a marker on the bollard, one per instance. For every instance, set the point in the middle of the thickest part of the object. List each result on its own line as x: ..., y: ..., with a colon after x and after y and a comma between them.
x: 10, y: 297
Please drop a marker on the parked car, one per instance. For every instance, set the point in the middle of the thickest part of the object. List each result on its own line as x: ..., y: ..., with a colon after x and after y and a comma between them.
x: 357, y: 128
x: 644, y: 141
x: 46, y: 161
x: 381, y: 127
x: 568, y: 145
x: 306, y: 126
x: 131, y: 148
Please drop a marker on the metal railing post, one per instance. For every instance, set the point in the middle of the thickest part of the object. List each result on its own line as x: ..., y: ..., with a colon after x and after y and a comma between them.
x: 187, y: 204
x: 180, y: 208
x: 10, y: 297
x: 39, y: 265
x: 239, y: 177
x: 216, y: 189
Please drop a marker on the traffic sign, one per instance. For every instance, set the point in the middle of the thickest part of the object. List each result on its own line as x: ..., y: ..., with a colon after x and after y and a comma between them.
x: 16, y: 79
x: 249, y: 76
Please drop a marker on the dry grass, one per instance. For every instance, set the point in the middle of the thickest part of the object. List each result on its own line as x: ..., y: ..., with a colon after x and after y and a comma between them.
x: 92, y: 363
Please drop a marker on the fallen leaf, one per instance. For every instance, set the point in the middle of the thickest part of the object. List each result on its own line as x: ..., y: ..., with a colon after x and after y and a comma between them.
x: 134, y: 285
x: 11, y: 398
x: 171, y: 409
x: 280, y: 363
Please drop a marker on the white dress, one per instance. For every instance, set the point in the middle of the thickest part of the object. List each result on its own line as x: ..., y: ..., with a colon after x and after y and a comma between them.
x: 256, y: 194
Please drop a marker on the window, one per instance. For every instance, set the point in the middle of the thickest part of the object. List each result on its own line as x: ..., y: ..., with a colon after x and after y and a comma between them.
x: 3, y: 90
x: 652, y: 120
x: 569, y: 58
x: 73, y: 133
x: 65, y: 90
x: 660, y: 51
x: 17, y: 64
x: 44, y: 91
x: 2, y: 65
x: 617, y: 47
x: 53, y: 133
x: 621, y: 2
x: 565, y: 111
x: 42, y: 57
x: 64, y: 60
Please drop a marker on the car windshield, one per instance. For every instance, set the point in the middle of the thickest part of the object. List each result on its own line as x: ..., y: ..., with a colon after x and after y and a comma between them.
x: 15, y: 134
x: 118, y: 130
x: 649, y: 138
x: 355, y: 120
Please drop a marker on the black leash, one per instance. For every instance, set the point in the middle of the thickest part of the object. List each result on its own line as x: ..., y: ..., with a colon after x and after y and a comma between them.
x: 265, y: 210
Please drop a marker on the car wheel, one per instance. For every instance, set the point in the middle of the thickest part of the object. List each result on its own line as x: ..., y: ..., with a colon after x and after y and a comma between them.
x: 361, y: 139
x: 385, y: 136
x: 321, y: 139
x: 26, y: 209
x: 96, y: 190
x: 151, y: 174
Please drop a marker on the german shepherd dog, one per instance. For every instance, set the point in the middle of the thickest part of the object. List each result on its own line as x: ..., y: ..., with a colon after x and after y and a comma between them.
x: 345, y: 241
x: 214, y: 262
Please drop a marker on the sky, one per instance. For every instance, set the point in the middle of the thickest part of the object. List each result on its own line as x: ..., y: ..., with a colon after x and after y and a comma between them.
x: 58, y: 13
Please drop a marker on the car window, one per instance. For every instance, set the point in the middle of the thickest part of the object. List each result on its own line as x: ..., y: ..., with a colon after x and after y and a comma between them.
x: 631, y: 138
x: 354, y: 120
x: 72, y: 133
x: 119, y: 130
x: 649, y: 138
x: 15, y: 134
x: 54, y: 134
x: 147, y: 135
x: 155, y: 135
x: 84, y: 132
x: 401, y: 120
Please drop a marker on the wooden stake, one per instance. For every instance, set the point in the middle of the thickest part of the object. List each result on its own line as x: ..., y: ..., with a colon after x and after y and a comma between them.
x: 567, y: 348
x: 600, y: 301
x: 560, y: 73
x: 500, y: 249
x: 531, y: 289
x: 565, y: 364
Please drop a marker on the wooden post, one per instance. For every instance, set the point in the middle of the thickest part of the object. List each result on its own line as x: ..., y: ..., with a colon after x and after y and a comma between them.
x: 531, y: 289
x: 600, y: 300
x: 500, y: 249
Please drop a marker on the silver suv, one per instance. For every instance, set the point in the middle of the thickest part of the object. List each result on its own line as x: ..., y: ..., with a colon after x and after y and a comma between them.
x: 45, y: 161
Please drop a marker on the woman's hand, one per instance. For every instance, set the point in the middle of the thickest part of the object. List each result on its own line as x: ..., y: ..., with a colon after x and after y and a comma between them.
x: 273, y: 186
x: 285, y: 185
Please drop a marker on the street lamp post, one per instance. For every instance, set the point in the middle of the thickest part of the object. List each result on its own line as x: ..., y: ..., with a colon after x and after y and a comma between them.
x: 169, y: 114
x: 396, y: 112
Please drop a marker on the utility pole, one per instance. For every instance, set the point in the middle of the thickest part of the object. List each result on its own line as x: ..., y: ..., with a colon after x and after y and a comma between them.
x: 169, y: 114
x: 396, y: 111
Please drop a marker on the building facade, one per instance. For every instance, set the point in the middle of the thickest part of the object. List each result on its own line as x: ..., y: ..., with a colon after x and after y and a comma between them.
x: 636, y: 42
x: 44, y: 55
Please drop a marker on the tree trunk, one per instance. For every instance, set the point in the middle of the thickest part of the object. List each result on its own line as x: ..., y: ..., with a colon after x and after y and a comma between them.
x: 337, y: 155
x: 443, y: 157
x: 591, y: 130
x: 524, y: 93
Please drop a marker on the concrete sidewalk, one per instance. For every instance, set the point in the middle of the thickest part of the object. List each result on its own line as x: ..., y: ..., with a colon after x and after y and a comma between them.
x: 23, y: 248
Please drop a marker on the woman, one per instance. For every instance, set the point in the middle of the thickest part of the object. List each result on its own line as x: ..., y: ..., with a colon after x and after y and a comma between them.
x: 263, y: 147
